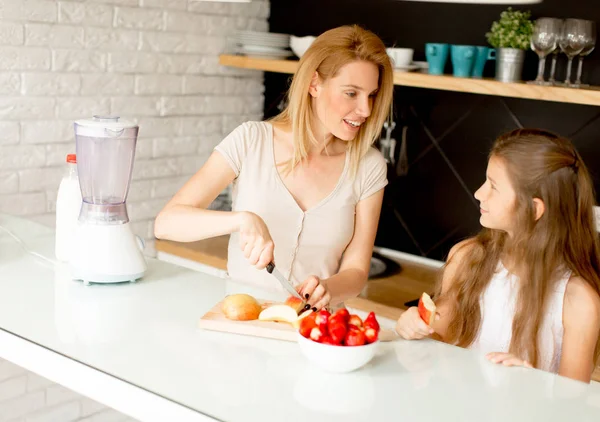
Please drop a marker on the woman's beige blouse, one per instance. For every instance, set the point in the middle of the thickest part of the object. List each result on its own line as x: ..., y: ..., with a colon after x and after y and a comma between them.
x: 309, y: 242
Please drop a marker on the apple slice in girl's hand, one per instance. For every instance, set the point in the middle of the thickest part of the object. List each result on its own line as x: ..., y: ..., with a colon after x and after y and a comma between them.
x: 426, y: 309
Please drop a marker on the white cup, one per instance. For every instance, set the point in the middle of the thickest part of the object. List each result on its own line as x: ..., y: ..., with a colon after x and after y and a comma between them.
x: 299, y: 45
x: 401, y: 57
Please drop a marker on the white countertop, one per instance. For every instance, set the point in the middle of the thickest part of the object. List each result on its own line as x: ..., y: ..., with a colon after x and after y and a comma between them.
x: 136, y: 347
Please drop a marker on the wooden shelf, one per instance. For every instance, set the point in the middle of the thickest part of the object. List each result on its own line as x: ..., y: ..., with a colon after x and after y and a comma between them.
x: 268, y: 65
x: 589, y: 96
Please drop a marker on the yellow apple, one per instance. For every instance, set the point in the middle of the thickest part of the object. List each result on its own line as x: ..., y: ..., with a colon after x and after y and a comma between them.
x: 241, y: 307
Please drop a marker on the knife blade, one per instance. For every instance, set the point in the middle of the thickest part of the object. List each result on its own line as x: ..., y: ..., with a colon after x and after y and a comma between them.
x: 271, y: 269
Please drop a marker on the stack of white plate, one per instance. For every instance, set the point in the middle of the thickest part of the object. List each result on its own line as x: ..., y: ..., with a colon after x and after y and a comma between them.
x: 265, y: 45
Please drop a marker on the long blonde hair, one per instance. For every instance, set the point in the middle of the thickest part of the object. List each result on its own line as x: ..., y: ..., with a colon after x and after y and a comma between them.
x: 327, y: 55
x: 545, y: 166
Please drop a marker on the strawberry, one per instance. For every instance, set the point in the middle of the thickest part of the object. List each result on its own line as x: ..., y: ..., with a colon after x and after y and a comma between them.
x: 371, y: 335
x: 306, y: 325
x: 354, y: 337
x: 322, y: 318
x: 343, y: 313
x: 336, y: 319
x: 317, y: 335
x: 371, y: 322
x: 329, y: 340
x: 337, y: 331
x: 355, y: 320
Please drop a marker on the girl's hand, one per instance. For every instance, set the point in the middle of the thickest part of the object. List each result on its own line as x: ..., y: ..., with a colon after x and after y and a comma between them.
x: 255, y: 240
x: 315, y: 293
x: 507, y: 359
x: 410, y: 326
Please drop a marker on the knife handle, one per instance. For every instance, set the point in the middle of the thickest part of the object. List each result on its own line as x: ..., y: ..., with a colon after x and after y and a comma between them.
x: 270, y: 267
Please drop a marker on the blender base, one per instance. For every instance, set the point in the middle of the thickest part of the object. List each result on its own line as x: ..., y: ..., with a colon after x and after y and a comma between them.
x: 89, y: 279
x: 106, y: 254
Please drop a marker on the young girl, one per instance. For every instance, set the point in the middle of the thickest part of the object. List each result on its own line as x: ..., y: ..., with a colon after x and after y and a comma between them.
x: 526, y: 290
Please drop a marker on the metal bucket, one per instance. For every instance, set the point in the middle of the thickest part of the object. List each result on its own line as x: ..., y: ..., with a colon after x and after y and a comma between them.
x: 509, y: 64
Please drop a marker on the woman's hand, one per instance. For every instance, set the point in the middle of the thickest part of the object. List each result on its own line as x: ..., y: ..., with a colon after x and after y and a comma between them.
x: 507, y: 359
x: 255, y: 240
x: 410, y: 326
x: 315, y: 292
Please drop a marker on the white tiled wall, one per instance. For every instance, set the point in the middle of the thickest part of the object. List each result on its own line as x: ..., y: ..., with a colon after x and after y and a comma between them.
x: 155, y: 61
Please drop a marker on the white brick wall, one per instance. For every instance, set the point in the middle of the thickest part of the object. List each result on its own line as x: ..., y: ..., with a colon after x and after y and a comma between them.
x: 154, y: 61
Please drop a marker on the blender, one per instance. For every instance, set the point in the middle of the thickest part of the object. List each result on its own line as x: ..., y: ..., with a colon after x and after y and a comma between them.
x: 105, y: 248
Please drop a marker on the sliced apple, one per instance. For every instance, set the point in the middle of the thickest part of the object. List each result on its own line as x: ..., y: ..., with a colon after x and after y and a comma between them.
x: 281, y: 313
x: 426, y: 309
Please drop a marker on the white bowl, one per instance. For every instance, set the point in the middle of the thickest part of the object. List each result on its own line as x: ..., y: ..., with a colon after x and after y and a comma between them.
x: 299, y: 45
x: 401, y: 57
x: 337, y: 358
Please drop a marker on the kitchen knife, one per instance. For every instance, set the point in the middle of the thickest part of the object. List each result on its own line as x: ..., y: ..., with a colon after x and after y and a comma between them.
x: 271, y: 269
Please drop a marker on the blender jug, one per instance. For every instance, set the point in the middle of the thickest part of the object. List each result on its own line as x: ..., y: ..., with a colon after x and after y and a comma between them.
x: 105, y: 152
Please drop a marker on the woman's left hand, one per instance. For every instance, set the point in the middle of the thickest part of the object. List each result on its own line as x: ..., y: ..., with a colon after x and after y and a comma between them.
x: 314, y: 292
x: 507, y: 359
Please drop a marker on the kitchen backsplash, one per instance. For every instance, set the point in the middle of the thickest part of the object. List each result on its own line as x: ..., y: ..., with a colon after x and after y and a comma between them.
x: 153, y: 61
x: 449, y: 134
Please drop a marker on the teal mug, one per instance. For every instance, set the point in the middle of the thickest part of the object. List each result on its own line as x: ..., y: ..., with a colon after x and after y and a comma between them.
x: 463, y: 60
x: 483, y: 55
x: 437, y: 55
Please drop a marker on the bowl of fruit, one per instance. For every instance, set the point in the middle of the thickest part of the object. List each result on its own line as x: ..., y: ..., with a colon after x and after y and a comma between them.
x: 338, y: 342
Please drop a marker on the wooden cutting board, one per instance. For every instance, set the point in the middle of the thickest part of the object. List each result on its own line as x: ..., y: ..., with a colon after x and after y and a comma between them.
x: 215, y: 320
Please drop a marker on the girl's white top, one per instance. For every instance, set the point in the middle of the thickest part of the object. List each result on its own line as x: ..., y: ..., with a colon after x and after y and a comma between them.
x: 498, y: 305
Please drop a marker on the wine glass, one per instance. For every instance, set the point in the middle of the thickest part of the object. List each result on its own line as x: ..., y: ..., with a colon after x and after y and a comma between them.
x: 571, y: 42
x: 551, y: 80
x: 544, y: 40
x: 590, y: 38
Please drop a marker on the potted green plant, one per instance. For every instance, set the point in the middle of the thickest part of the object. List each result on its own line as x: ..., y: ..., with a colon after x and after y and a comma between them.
x: 511, y: 36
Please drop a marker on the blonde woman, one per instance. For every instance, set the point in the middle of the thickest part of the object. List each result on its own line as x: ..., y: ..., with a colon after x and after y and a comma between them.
x: 307, y: 185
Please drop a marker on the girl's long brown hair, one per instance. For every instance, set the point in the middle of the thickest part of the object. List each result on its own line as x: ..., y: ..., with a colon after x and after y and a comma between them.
x: 540, y: 165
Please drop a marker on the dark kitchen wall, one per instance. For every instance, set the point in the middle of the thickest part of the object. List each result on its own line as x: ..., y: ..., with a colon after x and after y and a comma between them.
x: 431, y: 207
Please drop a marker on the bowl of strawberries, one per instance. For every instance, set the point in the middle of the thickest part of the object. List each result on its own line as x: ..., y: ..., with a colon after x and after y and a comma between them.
x: 338, y: 342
